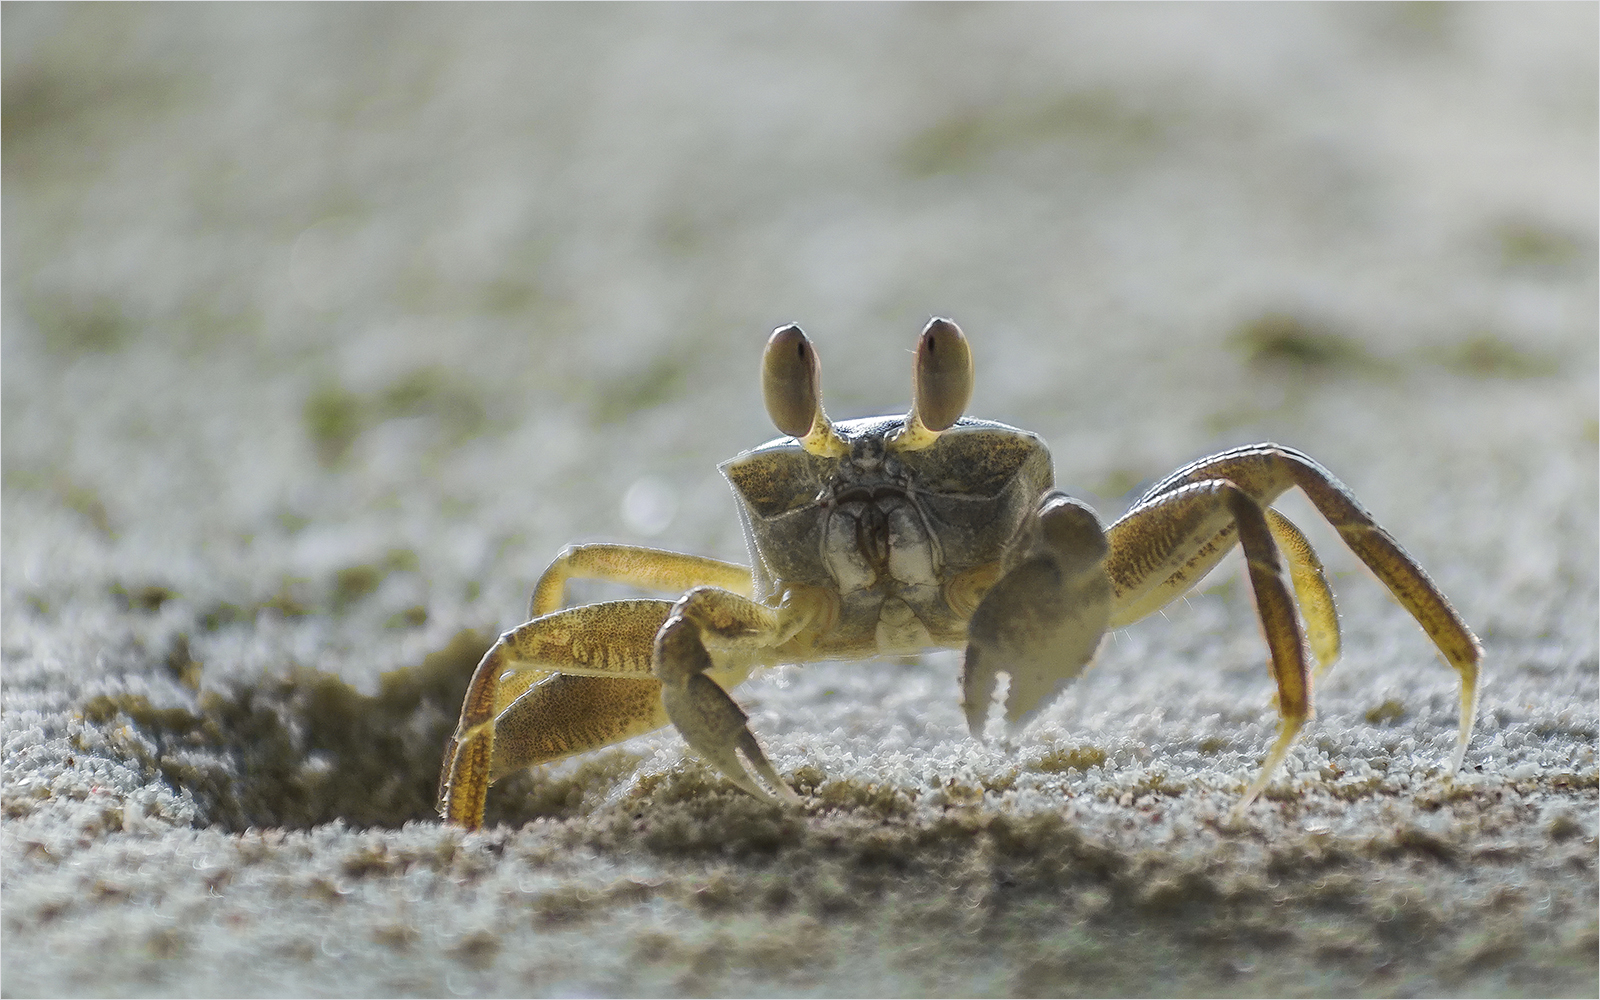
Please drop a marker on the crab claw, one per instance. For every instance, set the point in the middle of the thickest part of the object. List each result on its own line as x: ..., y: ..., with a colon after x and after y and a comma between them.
x: 710, y: 721
x: 1043, y: 620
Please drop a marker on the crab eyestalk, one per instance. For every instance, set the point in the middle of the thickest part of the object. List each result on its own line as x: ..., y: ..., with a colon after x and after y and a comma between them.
x: 941, y: 385
x: 791, y: 384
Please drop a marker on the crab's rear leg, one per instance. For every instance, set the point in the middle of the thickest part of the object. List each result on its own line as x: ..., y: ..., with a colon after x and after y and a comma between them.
x: 1312, y: 593
x: 1265, y: 471
x: 1192, y: 526
x: 1154, y: 562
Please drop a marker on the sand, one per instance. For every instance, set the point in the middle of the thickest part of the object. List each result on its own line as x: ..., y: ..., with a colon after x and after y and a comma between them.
x: 326, y: 327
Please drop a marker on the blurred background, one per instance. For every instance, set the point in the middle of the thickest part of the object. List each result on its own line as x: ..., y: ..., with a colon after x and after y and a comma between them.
x: 326, y: 326
x: 289, y: 289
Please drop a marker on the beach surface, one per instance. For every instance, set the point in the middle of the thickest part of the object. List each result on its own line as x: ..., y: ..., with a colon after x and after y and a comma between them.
x: 326, y: 327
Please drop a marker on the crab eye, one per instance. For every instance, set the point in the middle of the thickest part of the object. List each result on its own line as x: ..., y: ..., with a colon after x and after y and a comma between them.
x: 790, y: 381
x: 943, y: 381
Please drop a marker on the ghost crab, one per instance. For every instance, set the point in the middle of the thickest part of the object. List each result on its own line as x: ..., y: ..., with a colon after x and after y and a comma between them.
x: 892, y: 535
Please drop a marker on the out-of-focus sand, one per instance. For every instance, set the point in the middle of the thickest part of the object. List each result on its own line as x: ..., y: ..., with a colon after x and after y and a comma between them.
x: 325, y: 327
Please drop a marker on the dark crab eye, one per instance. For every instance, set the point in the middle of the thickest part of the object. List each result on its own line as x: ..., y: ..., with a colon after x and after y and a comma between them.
x: 943, y: 380
x: 790, y: 381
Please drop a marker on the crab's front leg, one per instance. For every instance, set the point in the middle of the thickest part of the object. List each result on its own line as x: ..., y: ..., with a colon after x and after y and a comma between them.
x: 1043, y: 619
x: 709, y: 719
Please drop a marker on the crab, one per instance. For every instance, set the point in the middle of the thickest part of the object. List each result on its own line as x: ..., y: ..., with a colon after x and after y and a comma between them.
x: 887, y: 536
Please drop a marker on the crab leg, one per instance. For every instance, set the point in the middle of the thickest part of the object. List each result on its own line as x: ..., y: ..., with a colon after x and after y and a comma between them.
x: 635, y: 565
x: 1266, y: 471
x: 710, y: 721
x: 1311, y: 590
x: 1159, y: 550
x: 1165, y: 527
x: 606, y: 645
x: 1155, y: 563
x: 651, y: 569
x: 570, y: 681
